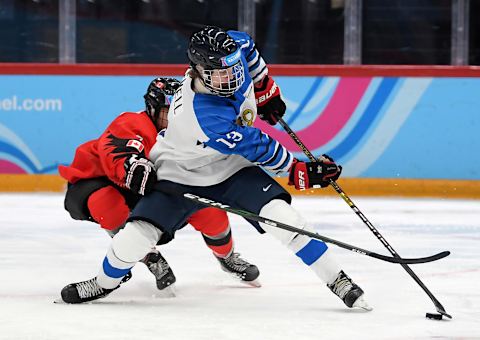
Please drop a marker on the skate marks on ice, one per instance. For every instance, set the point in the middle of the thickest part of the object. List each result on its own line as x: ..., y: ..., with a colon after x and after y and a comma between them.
x: 41, y: 250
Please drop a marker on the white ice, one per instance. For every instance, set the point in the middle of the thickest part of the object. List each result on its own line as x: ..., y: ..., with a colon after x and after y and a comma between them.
x: 42, y: 249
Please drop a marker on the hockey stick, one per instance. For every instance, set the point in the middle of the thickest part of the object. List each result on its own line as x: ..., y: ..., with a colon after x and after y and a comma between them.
x: 254, y: 217
x: 438, y: 305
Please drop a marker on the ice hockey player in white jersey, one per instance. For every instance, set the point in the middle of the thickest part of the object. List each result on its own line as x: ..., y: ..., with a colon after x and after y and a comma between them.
x: 211, y: 149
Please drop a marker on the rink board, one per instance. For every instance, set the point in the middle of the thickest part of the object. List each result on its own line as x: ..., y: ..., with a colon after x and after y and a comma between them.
x: 352, y: 186
x: 379, y: 123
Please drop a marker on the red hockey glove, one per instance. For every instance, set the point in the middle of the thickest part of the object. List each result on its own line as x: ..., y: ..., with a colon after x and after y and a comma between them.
x: 270, y: 105
x: 140, y: 175
x: 305, y: 175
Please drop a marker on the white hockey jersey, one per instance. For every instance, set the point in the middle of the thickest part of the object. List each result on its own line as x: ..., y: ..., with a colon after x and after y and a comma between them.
x: 209, y: 138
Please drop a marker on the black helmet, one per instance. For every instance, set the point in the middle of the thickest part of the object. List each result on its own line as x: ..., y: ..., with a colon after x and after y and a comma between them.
x: 156, y: 96
x: 209, y: 47
x: 219, y: 59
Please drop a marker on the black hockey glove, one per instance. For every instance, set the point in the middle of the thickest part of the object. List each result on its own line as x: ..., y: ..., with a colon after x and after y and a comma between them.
x: 140, y: 175
x: 270, y: 105
x: 305, y: 175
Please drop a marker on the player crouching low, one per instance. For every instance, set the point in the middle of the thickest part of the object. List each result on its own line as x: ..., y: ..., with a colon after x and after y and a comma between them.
x: 109, y: 175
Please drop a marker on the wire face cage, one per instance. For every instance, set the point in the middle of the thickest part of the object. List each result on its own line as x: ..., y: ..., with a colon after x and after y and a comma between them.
x: 224, y: 82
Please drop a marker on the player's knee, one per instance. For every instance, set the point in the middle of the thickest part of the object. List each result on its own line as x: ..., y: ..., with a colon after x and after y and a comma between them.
x: 281, y: 211
x: 134, y: 241
x: 210, y: 221
x: 107, y: 207
x: 77, y: 195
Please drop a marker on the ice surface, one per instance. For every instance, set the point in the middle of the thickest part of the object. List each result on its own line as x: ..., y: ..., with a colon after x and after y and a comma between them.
x: 42, y: 249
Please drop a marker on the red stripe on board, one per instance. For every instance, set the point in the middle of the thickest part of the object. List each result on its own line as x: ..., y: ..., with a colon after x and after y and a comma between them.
x: 375, y: 70
x: 94, y: 69
x: 278, y: 70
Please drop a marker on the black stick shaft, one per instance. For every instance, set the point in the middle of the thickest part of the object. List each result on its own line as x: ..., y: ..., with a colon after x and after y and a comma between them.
x: 254, y: 217
x: 365, y: 220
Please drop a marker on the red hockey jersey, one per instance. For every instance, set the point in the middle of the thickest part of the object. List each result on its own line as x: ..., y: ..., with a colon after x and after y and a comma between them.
x: 130, y: 133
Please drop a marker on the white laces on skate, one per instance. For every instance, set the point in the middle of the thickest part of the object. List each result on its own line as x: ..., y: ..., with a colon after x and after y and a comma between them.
x: 236, y: 262
x: 89, y: 288
x: 158, y: 268
x: 341, y: 286
x: 240, y: 269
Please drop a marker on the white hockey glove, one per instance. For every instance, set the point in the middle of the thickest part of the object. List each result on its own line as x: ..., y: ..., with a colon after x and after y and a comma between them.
x: 140, y: 175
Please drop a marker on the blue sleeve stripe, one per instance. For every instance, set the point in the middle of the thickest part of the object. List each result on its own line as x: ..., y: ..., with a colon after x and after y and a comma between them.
x: 254, y: 60
x: 262, y: 162
x: 274, y: 159
x: 285, y: 167
x: 286, y: 163
x: 267, y: 150
x: 254, y: 66
x: 111, y: 271
x: 256, y: 76
x: 276, y: 167
x: 251, y: 52
x: 257, y: 68
x: 280, y: 159
x: 312, y: 251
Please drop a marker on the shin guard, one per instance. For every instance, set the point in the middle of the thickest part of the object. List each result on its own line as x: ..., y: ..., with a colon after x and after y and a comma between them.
x: 128, y: 247
x: 312, y: 252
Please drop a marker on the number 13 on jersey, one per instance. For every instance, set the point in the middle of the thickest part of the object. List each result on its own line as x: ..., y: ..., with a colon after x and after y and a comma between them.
x: 233, y: 137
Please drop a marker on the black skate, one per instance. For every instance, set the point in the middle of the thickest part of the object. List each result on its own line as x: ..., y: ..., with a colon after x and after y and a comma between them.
x: 126, y: 277
x: 349, y: 292
x: 85, y: 291
x: 160, y: 268
x: 240, y: 268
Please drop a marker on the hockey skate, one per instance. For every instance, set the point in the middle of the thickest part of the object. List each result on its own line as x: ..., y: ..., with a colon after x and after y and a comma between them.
x: 160, y: 268
x: 349, y: 292
x: 241, y: 269
x: 84, y: 291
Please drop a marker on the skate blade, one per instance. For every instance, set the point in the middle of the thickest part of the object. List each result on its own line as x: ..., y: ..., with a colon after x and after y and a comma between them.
x: 362, y: 304
x: 61, y: 302
x: 167, y: 292
x: 255, y: 283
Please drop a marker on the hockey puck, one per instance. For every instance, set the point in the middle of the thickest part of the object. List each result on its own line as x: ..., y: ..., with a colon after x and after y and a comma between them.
x: 433, y: 316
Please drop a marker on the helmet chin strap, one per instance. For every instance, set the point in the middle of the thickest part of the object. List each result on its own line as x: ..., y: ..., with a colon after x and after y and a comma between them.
x: 162, y: 120
x: 198, y: 84
x: 200, y: 87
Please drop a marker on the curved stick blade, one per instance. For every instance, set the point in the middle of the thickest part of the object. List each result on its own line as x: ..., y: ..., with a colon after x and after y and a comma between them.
x: 416, y: 260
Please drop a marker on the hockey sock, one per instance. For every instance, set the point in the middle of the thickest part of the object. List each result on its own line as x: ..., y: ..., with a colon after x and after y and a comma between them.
x: 221, y: 244
x: 312, y: 252
x: 214, y: 226
x: 128, y: 247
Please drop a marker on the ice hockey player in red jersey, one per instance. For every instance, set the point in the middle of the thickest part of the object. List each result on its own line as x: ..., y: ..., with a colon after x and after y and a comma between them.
x: 109, y: 175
